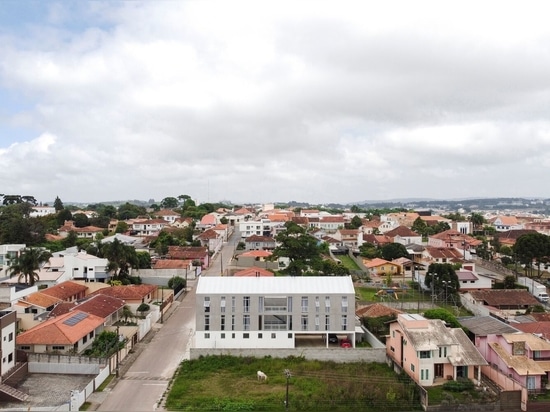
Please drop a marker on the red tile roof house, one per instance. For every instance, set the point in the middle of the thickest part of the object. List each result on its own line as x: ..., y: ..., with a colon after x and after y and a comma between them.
x: 404, y: 236
x: 169, y: 215
x: 501, y: 303
x: 211, y: 239
x: 104, y: 306
x: 348, y: 237
x: 194, y: 253
x: 454, y: 239
x: 71, y: 333
x: 257, y: 242
x: 131, y: 294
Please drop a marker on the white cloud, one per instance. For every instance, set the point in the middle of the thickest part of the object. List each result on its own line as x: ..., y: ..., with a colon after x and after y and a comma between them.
x: 274, y: 101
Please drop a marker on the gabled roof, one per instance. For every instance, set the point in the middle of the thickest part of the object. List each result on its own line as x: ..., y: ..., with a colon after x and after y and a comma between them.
x: 66, y: 329
x: 466, y: 275
x: 402, y: 231
x: 504, y: 297
x: 209, y: 219
x: 127, y: 292
x: 506, y: 220
x: 40, y: 299
x: 443, y: 252
x: 187, y: 252
x: 376, y: 310
x: 377, y: 262
x: 332, y: 219
x: 65, y: 290
x: 254, y: 271
x: 208, y: 234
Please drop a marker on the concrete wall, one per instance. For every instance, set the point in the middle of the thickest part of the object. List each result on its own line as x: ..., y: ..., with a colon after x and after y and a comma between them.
x: 321, y: 354
x: 161, y: 276
x: 77, y: 365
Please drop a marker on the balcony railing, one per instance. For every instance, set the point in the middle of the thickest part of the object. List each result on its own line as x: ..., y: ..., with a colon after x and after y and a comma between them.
x: 275, y: 308
x: 275, y: 326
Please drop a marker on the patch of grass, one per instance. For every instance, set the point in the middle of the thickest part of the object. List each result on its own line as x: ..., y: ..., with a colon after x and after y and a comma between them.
x: 85, y: 406
x: 348, y: 262
x: 230, y: 384
x: 439, y: 395
x: 106, y: 382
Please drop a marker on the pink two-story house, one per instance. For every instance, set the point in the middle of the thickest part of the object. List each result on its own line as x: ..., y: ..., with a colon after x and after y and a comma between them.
x: 430, y: 352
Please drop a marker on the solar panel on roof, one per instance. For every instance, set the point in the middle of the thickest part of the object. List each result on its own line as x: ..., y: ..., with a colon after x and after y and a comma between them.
x: 73, y: 320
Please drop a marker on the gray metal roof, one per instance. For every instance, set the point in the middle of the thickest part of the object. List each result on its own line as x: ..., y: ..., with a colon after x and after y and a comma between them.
x: 486, y: 325
x: 278, y: 285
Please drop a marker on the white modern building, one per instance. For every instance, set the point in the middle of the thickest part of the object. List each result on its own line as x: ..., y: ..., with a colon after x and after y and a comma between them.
x: 272, y: 312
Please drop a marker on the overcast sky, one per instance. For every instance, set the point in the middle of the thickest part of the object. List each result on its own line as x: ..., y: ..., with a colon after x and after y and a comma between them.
x: 263, y: 101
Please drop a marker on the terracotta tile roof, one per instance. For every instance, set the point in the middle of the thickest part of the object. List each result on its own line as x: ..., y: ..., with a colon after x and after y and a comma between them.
x: 151, y: 222
x: 332, y: 219
x: 402, y: 231
x: 63, y: 330
x: 65, y: 290
x: 187, y: 252
x: 254, y: 272
x: 301, y: 220
x: 41, y: 300
x: 61, y: 309
x: 443, y: 252
x: 243, y: 211
x: 208, y: 234
x: 100, y: 305
x: 377, y: 239
x: 506, y: 220
x: 376, y: 310
x: 171, y: 264
x: 377, y: 262
x: 208, y: 219
x: 504, y: 297
x: 127, y: 292
x: 329, y: 239
x: 88, y: 229
x: 537, y: 328
x: 257, y: 253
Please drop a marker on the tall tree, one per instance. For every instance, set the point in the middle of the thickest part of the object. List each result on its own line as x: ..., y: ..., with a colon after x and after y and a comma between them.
x: 393, y: 251
x: 58, y: 204
x: 28, y: 263
x: 533, y: 248
x: 299, y: 247
x: 169, y: 203
x: 122, y: 258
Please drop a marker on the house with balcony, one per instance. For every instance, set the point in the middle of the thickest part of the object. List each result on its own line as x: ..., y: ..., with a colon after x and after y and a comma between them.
x: 148, y: 227
x: 523, y: 357
x: 7, y: 254
x: 504, y: 223
x: 430, y: 352
x: 272, y: 312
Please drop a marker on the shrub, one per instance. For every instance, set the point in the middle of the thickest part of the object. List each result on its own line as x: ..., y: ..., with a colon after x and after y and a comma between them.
x: 460, y: 385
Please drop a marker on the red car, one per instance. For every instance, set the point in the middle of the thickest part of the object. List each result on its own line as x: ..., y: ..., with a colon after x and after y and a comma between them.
x: 345, y: 343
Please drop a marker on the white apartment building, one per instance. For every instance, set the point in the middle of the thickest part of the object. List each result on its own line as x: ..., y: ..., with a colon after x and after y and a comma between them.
x: 271, y: 312
x: 263, y: 227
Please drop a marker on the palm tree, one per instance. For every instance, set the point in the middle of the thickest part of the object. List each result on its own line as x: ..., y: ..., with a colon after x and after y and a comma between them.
x: 121, y: 259
x: 27, y: 264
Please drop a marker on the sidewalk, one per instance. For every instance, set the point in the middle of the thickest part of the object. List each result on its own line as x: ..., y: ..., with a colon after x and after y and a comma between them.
x: 97, y: 398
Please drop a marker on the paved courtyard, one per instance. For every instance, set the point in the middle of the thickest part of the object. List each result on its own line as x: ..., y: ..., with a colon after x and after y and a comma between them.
x: 47, y: 390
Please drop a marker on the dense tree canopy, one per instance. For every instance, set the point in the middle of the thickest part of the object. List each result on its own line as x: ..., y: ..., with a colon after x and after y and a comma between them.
x: 532, y: 249
x: 301, y: 249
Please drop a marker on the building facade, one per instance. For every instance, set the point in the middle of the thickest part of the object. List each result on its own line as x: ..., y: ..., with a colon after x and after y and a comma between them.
x: 269, y: 312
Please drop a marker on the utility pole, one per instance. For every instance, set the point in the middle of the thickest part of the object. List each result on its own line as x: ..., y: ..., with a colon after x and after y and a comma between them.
x: 117, y: 342
x: 288, y: 375
x: 162, y: 305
